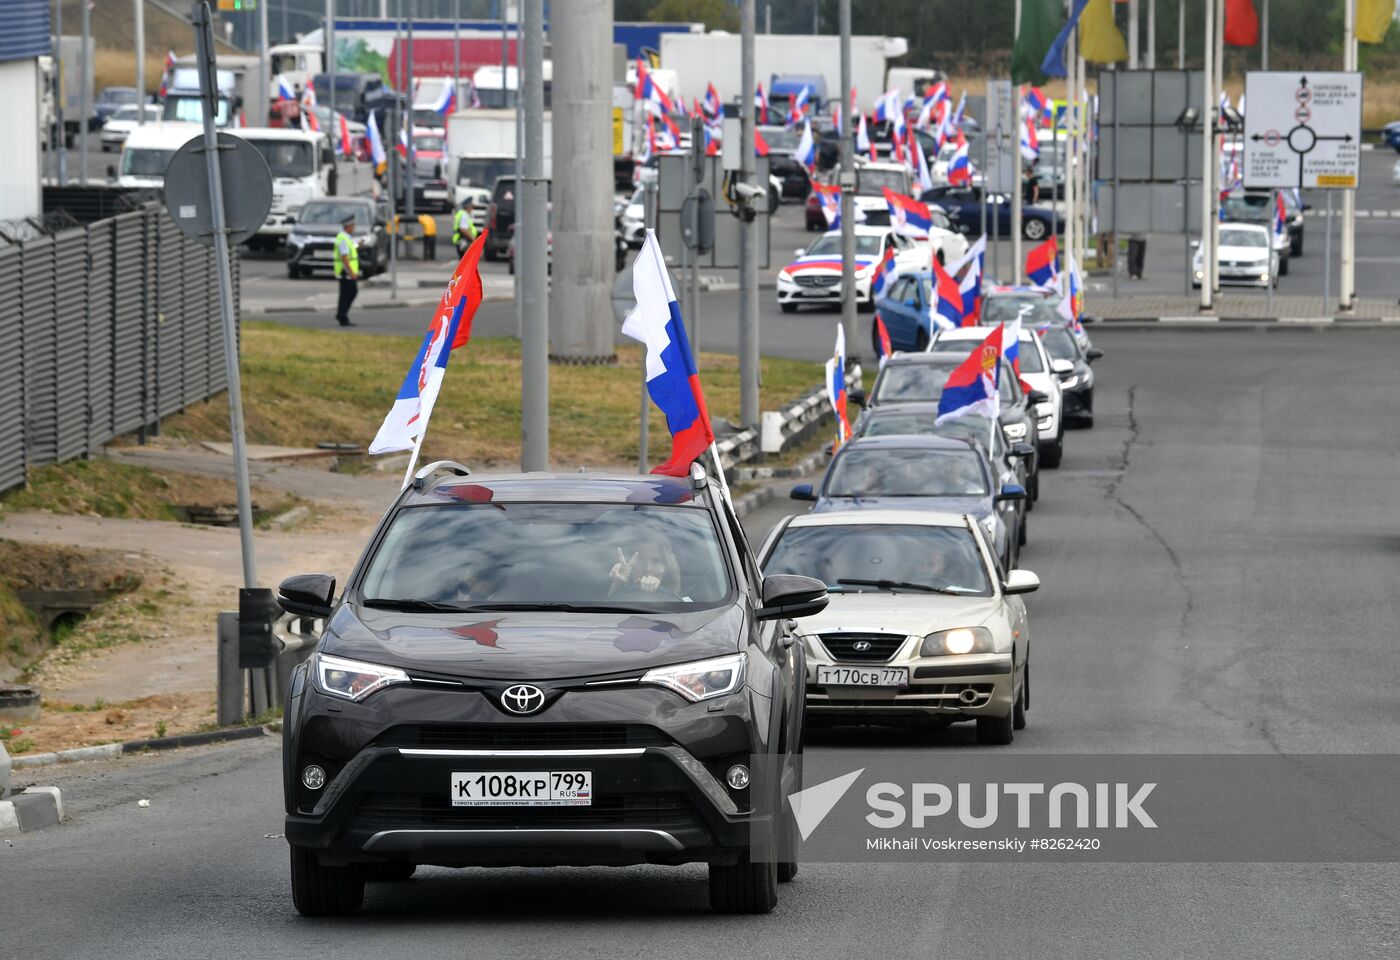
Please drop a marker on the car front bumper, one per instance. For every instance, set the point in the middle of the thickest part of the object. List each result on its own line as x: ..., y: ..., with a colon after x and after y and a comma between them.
x: 948, y: 687
x: 654, y: 800
x: 790, y: 291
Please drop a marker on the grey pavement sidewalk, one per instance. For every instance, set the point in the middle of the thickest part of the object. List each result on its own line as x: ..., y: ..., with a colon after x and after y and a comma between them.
x: 1236, y: 306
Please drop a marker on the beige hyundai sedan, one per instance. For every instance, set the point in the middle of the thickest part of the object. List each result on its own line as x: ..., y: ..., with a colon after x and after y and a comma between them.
x: 923, y: 625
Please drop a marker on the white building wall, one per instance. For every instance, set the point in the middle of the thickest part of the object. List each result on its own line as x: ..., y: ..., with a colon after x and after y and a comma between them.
x: 20, y: 193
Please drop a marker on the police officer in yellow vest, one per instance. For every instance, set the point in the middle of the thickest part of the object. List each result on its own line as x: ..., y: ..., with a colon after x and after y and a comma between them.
x: 463, y: 229
x: 347, y: 270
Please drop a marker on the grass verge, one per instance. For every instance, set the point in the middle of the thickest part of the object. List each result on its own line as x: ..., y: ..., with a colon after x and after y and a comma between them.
x: 301, y: 387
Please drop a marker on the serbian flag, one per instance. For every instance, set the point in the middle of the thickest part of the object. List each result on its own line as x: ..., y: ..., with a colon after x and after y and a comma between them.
x: 651, y: 95
x: 799, y: 106
x: 308, y: 113
x: 672, y: 381
x: 883, y: 347
x: 863, y: 144
x: 836, y: 388
x: 947, y: 299
x: 376, y: 145
x: 805, y: 152
x: 909, y: 217
x: 760, y: 145
x: 1037, y: 106
x: 829, y: 198
x: 285, y: 93
x: 347, y: 146
x: 884, y: 274
x: 1030, y: 143
x: 972, y: 386
x: 760, y: 102
x: 1040, y: 263
x: 970, y: 286
x: 450, y: 328
x: 1280, y: 215
x: 713, y: 106
x: 960, y: 167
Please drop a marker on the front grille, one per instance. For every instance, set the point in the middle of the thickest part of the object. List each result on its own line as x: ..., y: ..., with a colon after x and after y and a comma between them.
x: 523, y: 736
x: 842, y: 646
x: 378, y: 811
x: 817, y: 280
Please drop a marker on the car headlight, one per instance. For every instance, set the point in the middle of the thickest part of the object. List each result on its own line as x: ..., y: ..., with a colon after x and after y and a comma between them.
x: 1069, y: 383
x: 785, y: 276
x: 1199, y: 275
x: 1016, y: 431
x: 958, y: 641
x: 1264, y: 277
x: 1044, y: 423
x: 351, y: 679
x: 701, y: 680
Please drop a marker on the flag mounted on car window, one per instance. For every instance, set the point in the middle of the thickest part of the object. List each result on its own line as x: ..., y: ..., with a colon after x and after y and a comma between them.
x: 972, y: 386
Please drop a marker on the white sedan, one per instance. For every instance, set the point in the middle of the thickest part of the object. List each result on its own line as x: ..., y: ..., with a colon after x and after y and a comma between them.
x: 1247, y: 257
x: 815, y: 276
x: 124, y: 120
x: 921, y: 627
x: 1036, y: 371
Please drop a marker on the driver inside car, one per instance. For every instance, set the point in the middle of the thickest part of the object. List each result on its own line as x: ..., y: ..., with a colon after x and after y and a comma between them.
x: 649, y: 568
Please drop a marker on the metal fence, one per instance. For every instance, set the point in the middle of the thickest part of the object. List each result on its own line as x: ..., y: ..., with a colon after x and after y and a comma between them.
x: 104, y: 330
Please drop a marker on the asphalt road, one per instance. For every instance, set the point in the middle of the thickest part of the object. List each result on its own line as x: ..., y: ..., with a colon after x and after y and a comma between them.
x: 1218, y: 565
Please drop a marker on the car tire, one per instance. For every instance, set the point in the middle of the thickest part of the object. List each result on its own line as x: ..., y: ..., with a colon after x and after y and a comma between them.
x: 787, y: 847
x: 1021, y: 532
x: 775, y: 200
x: 1282, y: 269
x: 788, y: 307
x: 293, y: 272
x: 1295, y: 249
x: 390, y: 871
x: 996, y: 731
x: 1018, y: 711
x: 1034, y: 229
x: 1050, y: 456
x: 320, y: 891
x: 743, y: 887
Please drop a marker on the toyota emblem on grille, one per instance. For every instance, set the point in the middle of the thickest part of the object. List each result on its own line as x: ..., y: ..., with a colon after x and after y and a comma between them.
x: 522, y: 698
x: 861, y: 646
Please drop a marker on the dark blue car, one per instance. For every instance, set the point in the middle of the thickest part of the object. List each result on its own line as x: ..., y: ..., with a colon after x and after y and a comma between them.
x: 963, y: 204
x: 1390, y: 133
x: 907, y: 309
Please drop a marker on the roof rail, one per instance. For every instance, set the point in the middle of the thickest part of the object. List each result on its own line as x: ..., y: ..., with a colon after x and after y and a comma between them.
x: 420, y: 479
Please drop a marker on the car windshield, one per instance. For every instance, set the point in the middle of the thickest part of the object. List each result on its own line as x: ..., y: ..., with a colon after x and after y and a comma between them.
x: 145, y: 162
x: 188, y: 109
x: 483, y: 173
x: 923, y: 424
x: 874, y: 182
x: 1030, y: 356
x: 867, y: 245
x: 332, y: 213
x: 431, y: 144
x: 906, y: 472
x: 524, y: 555
x: 945, y: 558
x: 924, y: 381
x: 1243, y: 238
x: 779, y: 138
x: 287, y: 158
x: 1249, y: 207
x: 1059, y: 343
x: 128, y: 112
x: 117, y: 95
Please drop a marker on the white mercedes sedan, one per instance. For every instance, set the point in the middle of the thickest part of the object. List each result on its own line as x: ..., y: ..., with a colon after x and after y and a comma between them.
x: 923, y: 628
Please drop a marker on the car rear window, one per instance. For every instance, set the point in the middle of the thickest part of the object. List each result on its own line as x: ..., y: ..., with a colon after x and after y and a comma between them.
x: 906, y: 472
x: 942, y: 557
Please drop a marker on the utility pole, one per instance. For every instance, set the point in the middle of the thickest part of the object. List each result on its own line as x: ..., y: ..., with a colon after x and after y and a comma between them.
x: 335, y: 172
x: 1214, y: 140
x: 409, y: 93
x: 1018, y: 165
x: 456, y: 57
x: 848, y: 189
x: 1208, y: 107
x: 1181, y: 34
x: 531, y: 251
x: 58, y: 93
x: 260, y: 109
x: 86, y: 92
x: 1152, y: 34
x: 581, y: 327
x: 139, y: 23
x: 1264, y: 37
x: 748, y: 246
x: 1346, y: 288
x: 1133, y: 38
x: 1068, y: 154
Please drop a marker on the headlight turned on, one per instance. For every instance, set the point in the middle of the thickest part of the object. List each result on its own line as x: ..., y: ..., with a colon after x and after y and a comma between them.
x: 1016, y: 431
x: 957, y: 641
x: 351, y: 679
x: 701, y: 680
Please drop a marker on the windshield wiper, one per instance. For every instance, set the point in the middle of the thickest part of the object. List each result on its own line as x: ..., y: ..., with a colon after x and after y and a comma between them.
x: 563, y: 606
x: 898, y: 585
x: 411, y: 606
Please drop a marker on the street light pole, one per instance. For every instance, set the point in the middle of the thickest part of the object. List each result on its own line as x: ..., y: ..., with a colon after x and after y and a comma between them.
x: 532, y: 251
x: 848, y: 186
x: 1207, y: 160
x: 748, y: 245
x: 139, y: 24
x: 1346, y: 288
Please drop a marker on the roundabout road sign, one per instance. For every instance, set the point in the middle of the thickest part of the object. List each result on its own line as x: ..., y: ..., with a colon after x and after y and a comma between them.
x: 1302, y: 129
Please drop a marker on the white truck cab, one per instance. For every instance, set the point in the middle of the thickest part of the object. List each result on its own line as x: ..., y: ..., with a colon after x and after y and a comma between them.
x: 300, y: 165
x: 147, y: 150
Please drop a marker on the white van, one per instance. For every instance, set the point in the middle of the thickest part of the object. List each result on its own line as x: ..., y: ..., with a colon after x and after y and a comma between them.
x: 147, y: 152
x: 300, y: 163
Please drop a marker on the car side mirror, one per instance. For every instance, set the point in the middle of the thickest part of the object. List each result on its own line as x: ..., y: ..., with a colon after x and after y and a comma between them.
x: 1011, y: 492
x: 1093, y: 354
x: 307, y: 595
x: 799, y: 252
x: 1088, y: 318
x: 1020, y: 581
x: 1037, y: 396
x: 1195, y: 244
x: 803, y: 491
x: 1022, y: 449
x: 1063, y: 367
x: 856, y: 396
x: 787, y: 595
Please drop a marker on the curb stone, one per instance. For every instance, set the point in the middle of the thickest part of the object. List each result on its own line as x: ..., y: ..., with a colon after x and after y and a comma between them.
x: 31, y: 809
x: 109, y: 751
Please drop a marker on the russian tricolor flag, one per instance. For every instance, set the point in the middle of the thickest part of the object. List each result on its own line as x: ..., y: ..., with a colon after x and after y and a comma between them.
x: 805, y: 152
x: 672, y: 381
x: 960, y: 167
x: 947, y: 299
x: 1041, y: 264
x: 446, y: 102
x: 883, y: 347
x: 972, y: 386
x: 863, y: 144
x: 908, y: 216
x: 1030, y: 143
x: 450, y: 328
x: 285, y: 93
